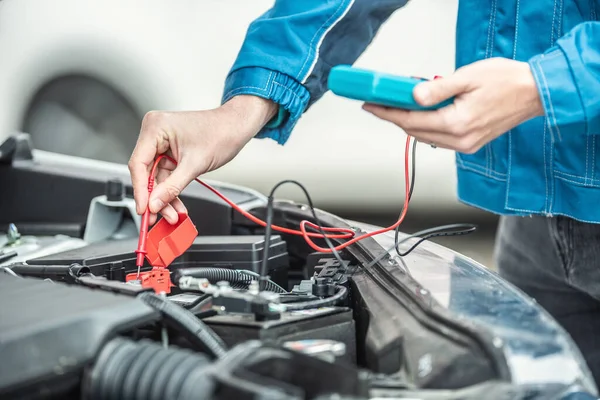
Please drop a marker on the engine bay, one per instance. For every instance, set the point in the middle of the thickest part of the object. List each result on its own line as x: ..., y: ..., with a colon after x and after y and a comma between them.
x: 317, y: 326
x: 89, y: 328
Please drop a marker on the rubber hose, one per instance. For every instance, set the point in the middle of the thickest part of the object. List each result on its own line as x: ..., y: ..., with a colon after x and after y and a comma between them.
x: 270, y: 285
x: 340, y: 294
x: 224, y: 274
x: 212, y: 274
x: 240, y: 285
x: 197, y: 331
x: 128, y: 370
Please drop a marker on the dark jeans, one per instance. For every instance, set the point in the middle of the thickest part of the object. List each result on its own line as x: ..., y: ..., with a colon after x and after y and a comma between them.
x: 557, y: 261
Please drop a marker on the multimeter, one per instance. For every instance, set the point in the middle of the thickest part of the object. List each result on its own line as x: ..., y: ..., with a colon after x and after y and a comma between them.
x: 377, y: 88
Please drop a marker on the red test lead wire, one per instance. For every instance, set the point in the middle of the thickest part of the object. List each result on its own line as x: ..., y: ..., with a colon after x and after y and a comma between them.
x: 312, y: 244
x: 331, y: 233
x: 141, y: 249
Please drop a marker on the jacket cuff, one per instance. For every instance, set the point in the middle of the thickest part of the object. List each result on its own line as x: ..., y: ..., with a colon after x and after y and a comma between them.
x: 559, y: 93
x: 285, y: 91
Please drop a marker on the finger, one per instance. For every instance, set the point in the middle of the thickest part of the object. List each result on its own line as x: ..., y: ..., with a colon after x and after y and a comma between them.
x: 167, y: 164
x: 465, y: 144
x: 169, y: 213
x: 162, y: 175
x: 153, y: 218
x: 179, y: 206
x: 139, y: 171
x: 440, y: 140
x: 430, y: 93
x: 140, y: 165
x: 430, y: 121
x: 168, y: 190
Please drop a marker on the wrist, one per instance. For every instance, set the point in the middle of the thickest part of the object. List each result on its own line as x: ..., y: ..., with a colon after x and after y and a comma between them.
x: 251, y: 113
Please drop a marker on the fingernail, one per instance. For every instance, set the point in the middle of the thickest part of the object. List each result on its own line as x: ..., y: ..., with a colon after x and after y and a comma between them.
x: 156, y: 205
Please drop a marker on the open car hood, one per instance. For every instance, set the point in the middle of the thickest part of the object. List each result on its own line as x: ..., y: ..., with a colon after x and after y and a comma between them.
x: 535, y: 347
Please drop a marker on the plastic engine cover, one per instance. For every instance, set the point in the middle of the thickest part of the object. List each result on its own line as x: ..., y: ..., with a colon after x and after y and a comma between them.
x: 59, y: 332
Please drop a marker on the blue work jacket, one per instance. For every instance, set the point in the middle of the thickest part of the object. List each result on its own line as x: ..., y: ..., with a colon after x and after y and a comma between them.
x: 548, y: 165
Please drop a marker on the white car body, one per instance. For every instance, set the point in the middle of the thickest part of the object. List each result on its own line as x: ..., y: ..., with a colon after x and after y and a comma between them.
x: 174, y: 55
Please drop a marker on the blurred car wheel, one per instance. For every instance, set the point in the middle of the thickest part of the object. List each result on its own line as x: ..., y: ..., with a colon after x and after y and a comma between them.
x: 82, y: 116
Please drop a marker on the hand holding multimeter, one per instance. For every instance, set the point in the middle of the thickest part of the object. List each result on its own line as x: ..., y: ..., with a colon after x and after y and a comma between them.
x: 463, y: 112
x: 378, y: 88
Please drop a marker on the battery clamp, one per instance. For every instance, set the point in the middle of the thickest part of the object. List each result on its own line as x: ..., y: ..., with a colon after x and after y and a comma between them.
x: 263, y: 305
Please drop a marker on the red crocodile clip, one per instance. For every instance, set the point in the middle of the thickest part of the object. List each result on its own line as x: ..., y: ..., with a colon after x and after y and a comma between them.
x: 164, y: 243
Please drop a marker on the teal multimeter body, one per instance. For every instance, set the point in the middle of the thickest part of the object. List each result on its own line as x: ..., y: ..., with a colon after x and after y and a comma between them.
x: 377, y: 88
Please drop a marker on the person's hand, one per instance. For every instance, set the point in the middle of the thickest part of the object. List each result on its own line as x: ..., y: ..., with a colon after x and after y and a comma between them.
x: 200, y: 141
x: 491, y: 97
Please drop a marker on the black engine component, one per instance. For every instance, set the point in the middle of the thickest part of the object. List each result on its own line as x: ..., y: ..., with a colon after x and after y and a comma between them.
x: 196, y: 330
x: 334, y: 323
x: 261, y: 371
x: 115, y: 190
x: 46, y: 345
x: 128, y: 370
x: 100, y: 254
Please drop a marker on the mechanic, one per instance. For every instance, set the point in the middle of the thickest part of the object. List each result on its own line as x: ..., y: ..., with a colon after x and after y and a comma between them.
x: 524, y: 125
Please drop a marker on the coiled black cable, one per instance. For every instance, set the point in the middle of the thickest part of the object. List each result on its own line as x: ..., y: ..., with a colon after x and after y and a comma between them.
x: 195, y: 330
x: 128, y: 370
x: 233, y: 276
x: 341, y: 293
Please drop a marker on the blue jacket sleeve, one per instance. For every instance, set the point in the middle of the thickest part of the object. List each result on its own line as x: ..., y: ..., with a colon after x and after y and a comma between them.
x: 568, y: 80
x: 289, y: 50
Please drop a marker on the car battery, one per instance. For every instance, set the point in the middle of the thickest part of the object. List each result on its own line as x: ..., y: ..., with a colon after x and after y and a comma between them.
x: 326, y: 323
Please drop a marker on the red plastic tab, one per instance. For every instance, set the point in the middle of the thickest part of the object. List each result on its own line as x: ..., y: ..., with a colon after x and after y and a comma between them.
x: 166, y: 242
x: 437, y: 77
x: 158, y: 279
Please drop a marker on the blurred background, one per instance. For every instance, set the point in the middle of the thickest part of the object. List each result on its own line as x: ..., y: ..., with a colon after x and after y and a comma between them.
x: 80, y: 75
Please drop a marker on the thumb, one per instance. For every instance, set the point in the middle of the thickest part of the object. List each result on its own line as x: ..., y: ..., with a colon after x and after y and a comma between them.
x: 433, y: 92
x: 168, y: 190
